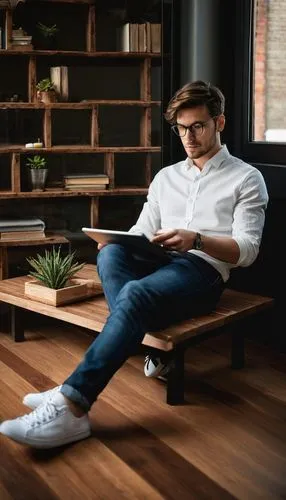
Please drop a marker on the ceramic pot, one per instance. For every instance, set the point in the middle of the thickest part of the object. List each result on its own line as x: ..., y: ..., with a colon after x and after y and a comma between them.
x: 38, y: 178
x: 46, y: 97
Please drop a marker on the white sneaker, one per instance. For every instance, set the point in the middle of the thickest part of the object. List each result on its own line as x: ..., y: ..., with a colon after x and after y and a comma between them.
x: 154, y: 367
x: 35, y: 399
x: 52, y: 424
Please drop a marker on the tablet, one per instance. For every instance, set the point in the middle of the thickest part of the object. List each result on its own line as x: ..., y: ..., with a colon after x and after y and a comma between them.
x: 138, y: 243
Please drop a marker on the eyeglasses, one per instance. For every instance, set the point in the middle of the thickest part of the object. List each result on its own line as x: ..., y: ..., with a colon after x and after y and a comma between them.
x: 196, y: 129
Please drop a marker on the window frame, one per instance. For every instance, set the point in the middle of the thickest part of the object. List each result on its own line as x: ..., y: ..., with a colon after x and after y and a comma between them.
x: 253, y: 151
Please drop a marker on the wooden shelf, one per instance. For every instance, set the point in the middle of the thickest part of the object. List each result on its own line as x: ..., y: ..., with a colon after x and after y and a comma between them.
x: 51, y: 238
x: 77, y: 105
x: 140, y: 93
x: 88, y: 2
x: 18, y: 148
x: 64, y: 193
x: 82, y: 53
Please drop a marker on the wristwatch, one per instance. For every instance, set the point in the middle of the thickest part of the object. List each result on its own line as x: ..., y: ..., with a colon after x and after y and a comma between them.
x: 198, y: 244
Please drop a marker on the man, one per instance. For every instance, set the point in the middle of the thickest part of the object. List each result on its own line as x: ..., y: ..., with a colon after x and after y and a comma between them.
x: 208, y: 211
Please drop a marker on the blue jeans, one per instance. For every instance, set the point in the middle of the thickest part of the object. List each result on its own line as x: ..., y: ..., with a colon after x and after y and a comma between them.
x: 143, y: 295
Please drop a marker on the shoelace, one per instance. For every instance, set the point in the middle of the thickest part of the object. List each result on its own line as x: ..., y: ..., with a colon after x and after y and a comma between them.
x: 149, y: 359
x: 44, y: 413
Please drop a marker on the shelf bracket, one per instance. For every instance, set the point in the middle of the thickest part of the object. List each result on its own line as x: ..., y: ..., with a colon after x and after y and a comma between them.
x: 15, y: 173
x: 94, y: 211
x: 90, y: 32
x: 32, y: 76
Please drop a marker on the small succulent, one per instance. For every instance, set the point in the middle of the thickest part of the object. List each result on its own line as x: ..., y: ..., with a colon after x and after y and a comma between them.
x: 37, y: 162
x: 47, y: 31
x: 54, y: 269
x: 45, y: 85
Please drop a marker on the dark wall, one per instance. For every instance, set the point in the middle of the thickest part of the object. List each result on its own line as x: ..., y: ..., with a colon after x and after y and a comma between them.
x: 224, y: 20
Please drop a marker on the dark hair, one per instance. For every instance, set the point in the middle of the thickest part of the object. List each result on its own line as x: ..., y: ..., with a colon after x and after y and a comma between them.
x: 195, y: 94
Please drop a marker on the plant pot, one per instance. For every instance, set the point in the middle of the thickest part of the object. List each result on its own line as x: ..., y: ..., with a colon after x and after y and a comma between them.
x: 45, y: 43
x: 38, y: 178
x: 77, y: 289
x: 46, y: 97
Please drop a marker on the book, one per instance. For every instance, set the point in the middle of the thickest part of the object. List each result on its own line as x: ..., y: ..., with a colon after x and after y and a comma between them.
x: 86, y: 187
x: 134, y: 37
x: 148, y: 36
x: 142, y: 37
x: 59, y: 77
x: 21, y: 38
x: 22, y: 235
x: 86, y: 179
x: 55, y: 75
x: 64, y: 83
x: 85, y: 183
x: 155, y: 37
x: 123, y: 37
x: 18, y: 224
x: 21, y: 46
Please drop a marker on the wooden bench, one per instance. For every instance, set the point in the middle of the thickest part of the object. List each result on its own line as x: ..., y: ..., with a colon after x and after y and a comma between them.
x: 233, y: 308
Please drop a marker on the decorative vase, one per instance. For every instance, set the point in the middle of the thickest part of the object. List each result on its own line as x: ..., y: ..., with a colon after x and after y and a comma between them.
x: 38, y: 178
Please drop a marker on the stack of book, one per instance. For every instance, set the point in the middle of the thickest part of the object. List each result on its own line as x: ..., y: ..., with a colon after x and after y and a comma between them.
x: 21, y: 229
x: 20, y: 40
x: 88, y: 182
x: 143, y: 37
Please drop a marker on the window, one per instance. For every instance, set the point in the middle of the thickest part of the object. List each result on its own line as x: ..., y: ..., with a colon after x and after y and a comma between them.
x: 261, y: 80
x: 269, y: 71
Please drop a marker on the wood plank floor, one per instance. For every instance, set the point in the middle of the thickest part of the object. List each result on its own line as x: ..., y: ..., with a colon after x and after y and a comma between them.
x: 227, y: 441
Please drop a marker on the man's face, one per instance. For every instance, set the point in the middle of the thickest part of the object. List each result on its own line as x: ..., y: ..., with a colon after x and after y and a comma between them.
x: 203, y: 140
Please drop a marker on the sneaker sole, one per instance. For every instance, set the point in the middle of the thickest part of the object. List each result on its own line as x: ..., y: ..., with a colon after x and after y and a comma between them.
x: 160, y: 371
x: 51, y: 444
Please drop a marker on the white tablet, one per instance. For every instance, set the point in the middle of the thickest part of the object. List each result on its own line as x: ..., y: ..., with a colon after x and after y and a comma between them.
x: 139, y: 243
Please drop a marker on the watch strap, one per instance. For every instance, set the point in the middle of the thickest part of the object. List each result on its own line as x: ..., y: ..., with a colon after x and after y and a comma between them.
x: 198, y: 244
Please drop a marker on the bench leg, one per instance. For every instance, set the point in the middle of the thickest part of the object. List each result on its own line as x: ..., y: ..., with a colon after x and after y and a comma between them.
x: 237, y: 347
x: 17, y: 323
x: 175, y: 379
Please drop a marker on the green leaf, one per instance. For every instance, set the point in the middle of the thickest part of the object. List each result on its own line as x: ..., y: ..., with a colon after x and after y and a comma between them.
x: 54, y: 269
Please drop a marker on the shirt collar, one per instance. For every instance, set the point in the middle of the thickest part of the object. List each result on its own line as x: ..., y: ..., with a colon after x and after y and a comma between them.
x: 215, y: 161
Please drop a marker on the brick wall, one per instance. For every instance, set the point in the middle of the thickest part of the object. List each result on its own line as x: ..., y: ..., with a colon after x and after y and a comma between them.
x: 270, y: 66
x: 260, y: 69
x: 276, y: 65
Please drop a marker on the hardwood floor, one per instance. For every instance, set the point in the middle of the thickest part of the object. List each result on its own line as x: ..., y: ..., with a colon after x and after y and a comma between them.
x: 227, y: 441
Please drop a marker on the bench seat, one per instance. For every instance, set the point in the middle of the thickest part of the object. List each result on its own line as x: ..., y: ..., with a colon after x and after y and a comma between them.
x: 233, y: 308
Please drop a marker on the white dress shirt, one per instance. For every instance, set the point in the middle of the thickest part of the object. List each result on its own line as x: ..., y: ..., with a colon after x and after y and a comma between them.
x: 228, y: 197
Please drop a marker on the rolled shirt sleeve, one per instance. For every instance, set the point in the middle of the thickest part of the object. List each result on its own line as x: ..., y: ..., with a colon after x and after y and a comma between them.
x: 249, y: 217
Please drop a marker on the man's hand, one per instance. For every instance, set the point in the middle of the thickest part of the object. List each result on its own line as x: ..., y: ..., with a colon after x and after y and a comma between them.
x: 175, y: 239
x: 101, y: 245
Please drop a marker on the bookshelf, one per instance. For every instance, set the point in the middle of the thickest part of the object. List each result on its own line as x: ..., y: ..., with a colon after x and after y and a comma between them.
x: 117, y: 104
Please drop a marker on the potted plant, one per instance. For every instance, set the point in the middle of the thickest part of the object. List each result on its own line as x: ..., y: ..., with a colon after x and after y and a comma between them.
x: 46, y: 92
x: 47, y: 36
x: 37, y: 165
x: 56, y: 283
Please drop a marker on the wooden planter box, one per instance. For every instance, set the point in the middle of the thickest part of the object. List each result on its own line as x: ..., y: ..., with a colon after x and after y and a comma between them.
x: 78, y: 289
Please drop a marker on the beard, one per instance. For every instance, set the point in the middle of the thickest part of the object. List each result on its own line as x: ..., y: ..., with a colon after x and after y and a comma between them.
x: 197, y: 150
